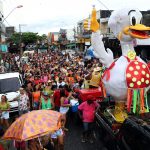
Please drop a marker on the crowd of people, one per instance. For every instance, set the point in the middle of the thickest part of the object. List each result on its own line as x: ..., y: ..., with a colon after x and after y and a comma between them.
x: 51, y: 80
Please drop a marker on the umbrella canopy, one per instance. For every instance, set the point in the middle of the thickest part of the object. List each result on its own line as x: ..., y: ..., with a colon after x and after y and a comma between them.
x: 33, y: 124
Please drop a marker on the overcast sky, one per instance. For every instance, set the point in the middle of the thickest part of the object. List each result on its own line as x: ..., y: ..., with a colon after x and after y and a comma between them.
x: 44, y: 16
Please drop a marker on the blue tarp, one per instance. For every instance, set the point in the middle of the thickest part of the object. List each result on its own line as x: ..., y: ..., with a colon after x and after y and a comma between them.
x: 90, y: 52
x: 4, y: 48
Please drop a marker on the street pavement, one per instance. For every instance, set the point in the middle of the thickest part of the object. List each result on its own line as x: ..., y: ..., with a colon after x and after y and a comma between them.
x: 73, y: 137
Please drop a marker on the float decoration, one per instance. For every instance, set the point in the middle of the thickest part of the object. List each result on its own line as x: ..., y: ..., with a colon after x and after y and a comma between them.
x: 138, y: 78
x: 120, y: 81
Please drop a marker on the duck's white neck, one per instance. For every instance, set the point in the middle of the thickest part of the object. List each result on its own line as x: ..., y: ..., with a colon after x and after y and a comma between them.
x: 126, y: 47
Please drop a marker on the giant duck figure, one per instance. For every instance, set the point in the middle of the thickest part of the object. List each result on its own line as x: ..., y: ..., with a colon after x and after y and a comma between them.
x: 127, y: 78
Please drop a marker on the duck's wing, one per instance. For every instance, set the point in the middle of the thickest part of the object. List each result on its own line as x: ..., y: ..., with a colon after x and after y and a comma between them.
x: 106, y: 57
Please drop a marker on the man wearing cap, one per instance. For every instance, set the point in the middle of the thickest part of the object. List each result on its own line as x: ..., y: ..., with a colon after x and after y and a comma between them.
x: 87, y: 113
x: 46, y: 102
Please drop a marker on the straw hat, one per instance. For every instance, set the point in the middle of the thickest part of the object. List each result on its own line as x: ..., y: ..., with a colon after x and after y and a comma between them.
x: 97, y: 69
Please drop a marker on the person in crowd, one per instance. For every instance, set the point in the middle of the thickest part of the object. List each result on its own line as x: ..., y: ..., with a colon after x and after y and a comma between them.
x: 48, y: 88
x: 58, y: 139
x: 18, y: 63
x: 26, y: 78
x: 47, y: 142
x: 65, y: 104
x: 37, y: 80
x: 58, y: 136
x: 2, y: 68
x: 70, y: 78
x: 4, y: 110
x: 56, y: 97
x: 34, y: 144
x: 7, y: 65
x: 36, y: 98
x: 87, y: 111
x: 44, y: 77
x: 20, y: 145
x: 60, y: 82
x: 23, y: 102
x: 46, y: 102
x: 29, y: 90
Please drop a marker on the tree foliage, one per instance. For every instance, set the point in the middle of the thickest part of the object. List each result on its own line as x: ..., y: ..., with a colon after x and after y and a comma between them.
x: 15, y: 38
x: 27, y: 38
x: 44, y: 37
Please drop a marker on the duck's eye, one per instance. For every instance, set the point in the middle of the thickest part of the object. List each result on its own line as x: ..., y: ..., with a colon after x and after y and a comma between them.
x: 133, y: 21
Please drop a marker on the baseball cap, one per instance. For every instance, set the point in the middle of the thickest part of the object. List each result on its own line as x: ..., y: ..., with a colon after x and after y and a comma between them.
x: 45, y: 93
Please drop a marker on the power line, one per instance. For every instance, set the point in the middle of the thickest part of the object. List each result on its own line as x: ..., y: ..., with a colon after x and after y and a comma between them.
x: 7, y: 23
x: 4, y: 20
x: 104, y: 5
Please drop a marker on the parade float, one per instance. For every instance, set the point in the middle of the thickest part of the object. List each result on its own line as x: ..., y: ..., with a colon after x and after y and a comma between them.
x: 126, y: 80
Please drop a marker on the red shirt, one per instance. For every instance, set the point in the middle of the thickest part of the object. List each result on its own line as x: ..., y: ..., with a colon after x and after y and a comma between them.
x: 1, y: 147
x: 37, y: 81
x: 57, y: 97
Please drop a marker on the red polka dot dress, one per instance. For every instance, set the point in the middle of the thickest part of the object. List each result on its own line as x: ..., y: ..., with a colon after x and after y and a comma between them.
x: 137, y: 79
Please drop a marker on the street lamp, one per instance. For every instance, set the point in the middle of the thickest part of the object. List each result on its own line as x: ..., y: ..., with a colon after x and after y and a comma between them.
x: 19, y: 6
x: 2, y: 21
x: 20, y: 46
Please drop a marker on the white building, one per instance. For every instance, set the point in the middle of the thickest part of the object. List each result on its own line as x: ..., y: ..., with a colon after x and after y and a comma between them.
x: 70, y: 34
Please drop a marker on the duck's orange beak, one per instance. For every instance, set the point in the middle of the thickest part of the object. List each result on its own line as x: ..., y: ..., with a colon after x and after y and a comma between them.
x: 138, y: 31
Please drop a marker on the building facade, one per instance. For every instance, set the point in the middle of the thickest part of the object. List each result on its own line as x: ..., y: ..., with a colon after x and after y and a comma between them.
x: 10, y: 31
x: 84, y: 37
x: 52, y: 38
x: 3, y: 46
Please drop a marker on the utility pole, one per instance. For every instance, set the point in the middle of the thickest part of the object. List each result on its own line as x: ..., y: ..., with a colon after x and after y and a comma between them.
x: 20, y: 39
x: 74, y: 30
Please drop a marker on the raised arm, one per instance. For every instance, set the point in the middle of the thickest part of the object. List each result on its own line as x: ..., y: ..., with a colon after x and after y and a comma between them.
x: 105, y: 57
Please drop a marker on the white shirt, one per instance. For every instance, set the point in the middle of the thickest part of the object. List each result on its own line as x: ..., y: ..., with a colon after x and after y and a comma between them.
x: 62, y: 83
x: 23, y: 101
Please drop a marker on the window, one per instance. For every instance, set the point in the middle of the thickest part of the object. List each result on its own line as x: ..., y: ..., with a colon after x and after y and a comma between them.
x: 9, y: 85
